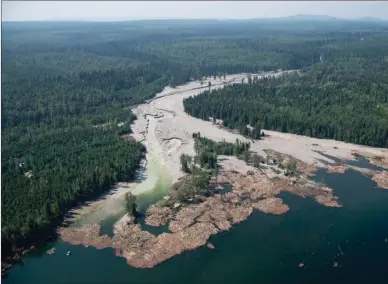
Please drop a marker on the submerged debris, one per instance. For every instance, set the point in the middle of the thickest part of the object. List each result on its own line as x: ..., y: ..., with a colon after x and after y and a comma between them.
x: 51, y: 251
x: 339, y: 248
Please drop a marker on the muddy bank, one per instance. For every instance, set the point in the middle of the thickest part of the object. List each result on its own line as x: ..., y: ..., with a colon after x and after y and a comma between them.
x: 166, y: 130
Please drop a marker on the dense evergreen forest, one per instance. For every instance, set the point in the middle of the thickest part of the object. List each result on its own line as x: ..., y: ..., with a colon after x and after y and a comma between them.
x: 344, y: 97
x: 67, y: 89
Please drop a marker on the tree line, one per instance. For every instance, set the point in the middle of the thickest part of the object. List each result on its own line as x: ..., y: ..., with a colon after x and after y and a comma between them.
x: 343, y: 98
x: 67, y: 90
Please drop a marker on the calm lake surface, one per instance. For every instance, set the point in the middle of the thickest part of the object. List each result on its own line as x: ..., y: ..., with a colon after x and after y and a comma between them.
x: 263, y: 249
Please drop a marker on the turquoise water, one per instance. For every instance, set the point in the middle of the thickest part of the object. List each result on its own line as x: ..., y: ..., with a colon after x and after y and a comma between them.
x: 263, y: 249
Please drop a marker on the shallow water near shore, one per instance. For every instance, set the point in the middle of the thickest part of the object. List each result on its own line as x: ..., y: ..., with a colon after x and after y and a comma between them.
x: 152, y: 186
x: 265, y: 248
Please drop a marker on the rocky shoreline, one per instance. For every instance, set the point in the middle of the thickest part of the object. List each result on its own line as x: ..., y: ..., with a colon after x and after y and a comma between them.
x: 191, y: 225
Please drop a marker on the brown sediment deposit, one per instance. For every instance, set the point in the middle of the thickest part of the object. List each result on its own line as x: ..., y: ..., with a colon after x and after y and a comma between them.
x: 339, y: 169
x: 381, y: 178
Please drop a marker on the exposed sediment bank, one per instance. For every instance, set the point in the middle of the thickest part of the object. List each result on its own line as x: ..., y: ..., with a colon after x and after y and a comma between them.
x: 191, y: 225
x: 166, y: 131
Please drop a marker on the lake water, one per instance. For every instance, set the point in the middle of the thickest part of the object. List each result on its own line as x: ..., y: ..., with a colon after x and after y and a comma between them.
x: 263, y: 249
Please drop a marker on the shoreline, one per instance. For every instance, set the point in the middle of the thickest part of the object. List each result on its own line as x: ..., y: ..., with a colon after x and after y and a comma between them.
x: 166, y: 131
x: 172, y: 129
x: 190, y: 225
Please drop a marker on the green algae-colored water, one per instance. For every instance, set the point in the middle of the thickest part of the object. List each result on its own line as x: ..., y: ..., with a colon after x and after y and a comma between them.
x: 263, y: 249
x: 155, y: 184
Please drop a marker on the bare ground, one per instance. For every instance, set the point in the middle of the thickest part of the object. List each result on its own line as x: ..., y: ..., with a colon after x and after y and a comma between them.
x: 166, y: 130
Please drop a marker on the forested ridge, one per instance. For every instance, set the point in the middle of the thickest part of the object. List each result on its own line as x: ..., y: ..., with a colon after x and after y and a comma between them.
x: 67, y: 89
x: 345, y: 97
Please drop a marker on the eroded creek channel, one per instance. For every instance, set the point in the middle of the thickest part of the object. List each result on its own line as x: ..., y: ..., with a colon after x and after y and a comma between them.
x: 336, y: 245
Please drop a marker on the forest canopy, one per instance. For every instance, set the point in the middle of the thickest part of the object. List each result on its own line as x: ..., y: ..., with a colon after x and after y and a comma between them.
x: 344, y: 97
x: 67, y: 89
